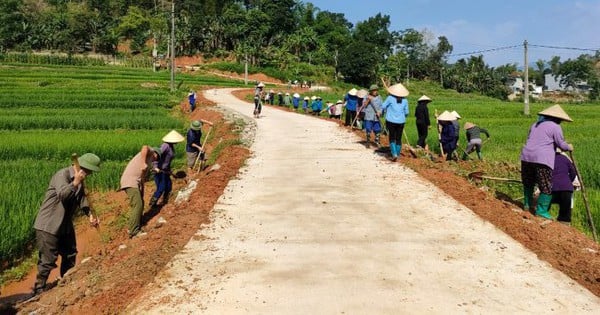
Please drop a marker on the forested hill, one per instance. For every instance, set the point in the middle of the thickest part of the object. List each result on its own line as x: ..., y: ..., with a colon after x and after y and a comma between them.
x: 285, y: 34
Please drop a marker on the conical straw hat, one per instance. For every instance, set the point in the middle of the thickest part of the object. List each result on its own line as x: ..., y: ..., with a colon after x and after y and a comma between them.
x: 446, y: 116
x: 362, y: 93
x: 469, y: 125
x: 424, y: 98
x: 398, y: 90
x: 557, y: 112
x: 352, y: 92
x: 173, y: 137
x: 296, y: 95
x: 455, y: 114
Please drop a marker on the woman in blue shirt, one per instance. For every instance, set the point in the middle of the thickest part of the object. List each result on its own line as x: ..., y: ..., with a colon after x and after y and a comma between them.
x: 395, y: 107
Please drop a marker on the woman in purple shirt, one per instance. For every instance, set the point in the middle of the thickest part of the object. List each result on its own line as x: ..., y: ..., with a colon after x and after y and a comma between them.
x: 537, y: 157
x: 562, y: 186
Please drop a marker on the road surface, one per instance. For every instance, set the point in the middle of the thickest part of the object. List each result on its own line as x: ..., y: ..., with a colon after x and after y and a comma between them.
x: 317, y: 224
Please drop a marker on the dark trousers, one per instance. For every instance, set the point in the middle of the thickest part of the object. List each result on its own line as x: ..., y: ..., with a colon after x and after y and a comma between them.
x: 50, y: 246
x: 422, y: 131
x: 395, y: 132
x: 563, y: 199
x: 163, y: 184
x: 535, y: 173
x: 350, y: 115
x: 257, y: 106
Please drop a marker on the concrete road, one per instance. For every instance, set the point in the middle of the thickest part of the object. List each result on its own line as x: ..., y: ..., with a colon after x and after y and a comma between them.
x: 317, y: 224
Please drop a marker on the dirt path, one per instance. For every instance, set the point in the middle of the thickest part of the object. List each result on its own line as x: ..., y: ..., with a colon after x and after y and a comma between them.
x: 316, y: 222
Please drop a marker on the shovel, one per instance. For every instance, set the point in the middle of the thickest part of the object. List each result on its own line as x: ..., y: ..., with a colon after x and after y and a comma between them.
x: 480, y: 175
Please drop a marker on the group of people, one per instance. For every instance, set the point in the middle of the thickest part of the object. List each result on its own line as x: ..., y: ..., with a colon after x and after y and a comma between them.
x: 55, y: 233
x: 541, y: 162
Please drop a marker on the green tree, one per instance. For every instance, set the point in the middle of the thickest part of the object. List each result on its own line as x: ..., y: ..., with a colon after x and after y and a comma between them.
x: 575, y: 71
x: 135, y: 26
x: 358, y: 63
x: 13, y: 24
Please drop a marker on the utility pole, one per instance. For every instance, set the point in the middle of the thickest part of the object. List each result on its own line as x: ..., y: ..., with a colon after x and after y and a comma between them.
x: 526, y: 88
x: 245, y: 68
x: 173, y: 46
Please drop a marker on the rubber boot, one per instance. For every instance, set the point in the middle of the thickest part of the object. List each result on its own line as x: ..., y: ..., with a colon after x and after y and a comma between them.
x: 368, y: 143
x: 479, y: 156
x: 393, y: 149
x: 543, y: 205
x: 465, y: 156
x: 165, y: 199
x: 527, y: 198
x: 153, y: 202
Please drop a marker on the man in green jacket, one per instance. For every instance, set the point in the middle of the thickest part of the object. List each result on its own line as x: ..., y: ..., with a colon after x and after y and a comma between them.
x: 54, y: 230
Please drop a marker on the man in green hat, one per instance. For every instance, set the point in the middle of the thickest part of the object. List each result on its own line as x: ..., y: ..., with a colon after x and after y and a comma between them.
x: 132, y: 182
x: 54, y: 231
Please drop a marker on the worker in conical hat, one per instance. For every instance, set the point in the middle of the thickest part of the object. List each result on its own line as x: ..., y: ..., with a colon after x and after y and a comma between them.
x: 538, y: 156
x: 351, y: 105
x: 474, y: 142
x: 162, y: 168
x: 422, y: 120
x: 395, y: 107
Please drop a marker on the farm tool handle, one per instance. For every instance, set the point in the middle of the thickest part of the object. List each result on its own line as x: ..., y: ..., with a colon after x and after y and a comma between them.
x: 479, y: 175
x: 77, y: 168
x: 203, y: 149
x: 437, y: 127
x: 585, y: 201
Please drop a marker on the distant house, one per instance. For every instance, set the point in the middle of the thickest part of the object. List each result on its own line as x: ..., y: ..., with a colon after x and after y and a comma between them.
x: 552, y: 84
x: 517, y: 85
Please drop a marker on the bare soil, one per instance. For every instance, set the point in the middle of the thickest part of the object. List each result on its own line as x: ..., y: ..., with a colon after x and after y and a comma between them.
x: 113, y: 277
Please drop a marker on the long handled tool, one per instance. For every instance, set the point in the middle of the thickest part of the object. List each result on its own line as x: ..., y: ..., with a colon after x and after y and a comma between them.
x: 412, y: 151
x: 77, y: 168
x: 201, y: 155
x: 479, y: 175
x: 585, y: 201
x: 437, y: 127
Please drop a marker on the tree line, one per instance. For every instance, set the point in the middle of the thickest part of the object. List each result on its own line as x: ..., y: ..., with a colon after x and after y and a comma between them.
x: 286, y: 34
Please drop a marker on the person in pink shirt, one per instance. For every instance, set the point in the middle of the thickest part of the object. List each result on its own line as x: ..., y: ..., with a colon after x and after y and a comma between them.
x: 132, y: 182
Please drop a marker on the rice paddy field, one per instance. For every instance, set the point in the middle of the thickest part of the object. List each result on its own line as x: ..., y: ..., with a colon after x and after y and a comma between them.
x: 48, y: 112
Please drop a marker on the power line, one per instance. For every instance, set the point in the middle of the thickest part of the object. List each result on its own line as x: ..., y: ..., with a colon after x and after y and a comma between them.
x: 477, y: 52
x: 484, y: 51
x: 567, y: 48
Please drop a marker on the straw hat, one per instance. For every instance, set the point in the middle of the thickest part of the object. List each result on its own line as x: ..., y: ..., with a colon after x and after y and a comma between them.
x: 455, y: 114
x: 469, y: 125
x: 173, y: 137
x: 287, y: 94
x: 557, y: 112
x: 362, y: 93
x: 260, y: 84
x: 306, y: 98
x: 89, y: 161
x: 313, y: 97
x: 296, y: 95
x: 271, y: 91
x: 373, y: 87
x: 398, y: 90
x: 352, y: 92
x: 339, y: 102
x: 424, y: 98
x: 446, y: 116
x: 196, y: 125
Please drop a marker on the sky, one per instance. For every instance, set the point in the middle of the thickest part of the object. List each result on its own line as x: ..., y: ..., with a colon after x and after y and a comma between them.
x: 477, y: 25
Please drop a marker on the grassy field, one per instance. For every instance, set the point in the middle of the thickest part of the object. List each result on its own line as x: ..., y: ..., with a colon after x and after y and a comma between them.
x: 48, y: 112
x: 509, y: 129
